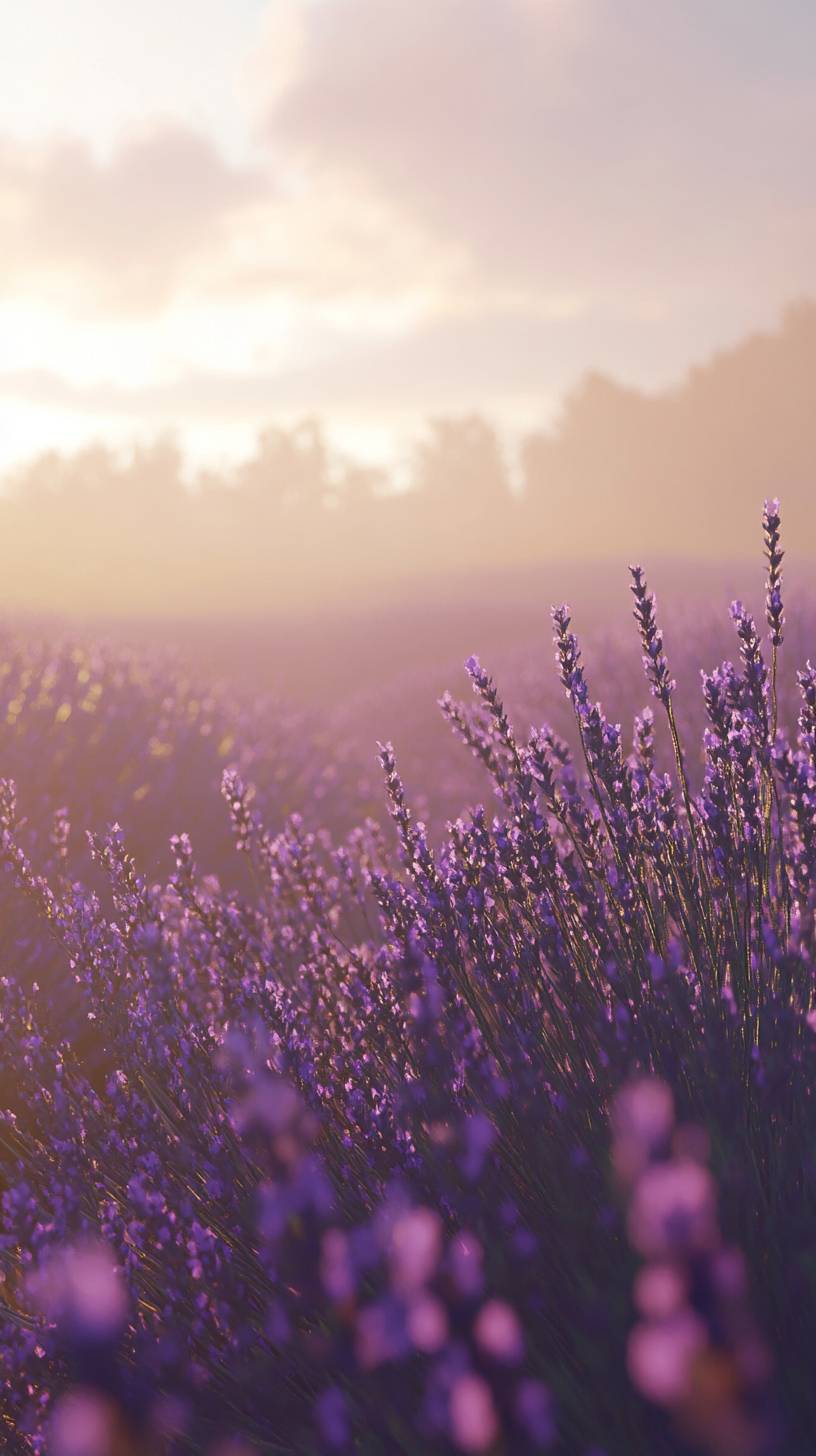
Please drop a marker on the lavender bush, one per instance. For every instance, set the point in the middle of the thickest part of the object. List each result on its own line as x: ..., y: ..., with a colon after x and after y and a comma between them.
x: 500, y: 1145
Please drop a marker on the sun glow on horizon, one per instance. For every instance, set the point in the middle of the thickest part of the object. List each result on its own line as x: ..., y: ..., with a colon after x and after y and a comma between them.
x: 235, y: 214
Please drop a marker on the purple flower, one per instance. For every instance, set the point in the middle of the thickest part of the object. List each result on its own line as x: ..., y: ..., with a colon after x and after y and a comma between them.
x: 771, y: 521
x: 80, y: 1288
x: 654, y: 658
x: 83, y: 1424
x: 661, y: 1354
x: 642, y: 1119
x: 332, y: 1416
x: 414, y: 1249
x: 535, y: 1412
x: 497, y: 1332
x: 673, y: 1210
x: 474, y: 1423
x: 427, y: 1323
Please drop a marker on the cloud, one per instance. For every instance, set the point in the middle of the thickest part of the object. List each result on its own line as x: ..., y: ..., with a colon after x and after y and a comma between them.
x: 126, y: 233
x: 449, y: 360
x: 450, y: 204
x: 167, y: 219
x: 609, y: 145
x: 636, y: 156
x: 501, y: 354
x: 622, y: 473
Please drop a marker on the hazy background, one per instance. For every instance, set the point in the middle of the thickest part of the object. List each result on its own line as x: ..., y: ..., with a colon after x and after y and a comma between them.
x: 338, y: 337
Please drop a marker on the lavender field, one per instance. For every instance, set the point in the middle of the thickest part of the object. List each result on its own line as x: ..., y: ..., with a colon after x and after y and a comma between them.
x: 456, y: 1102
x: 407, y: 728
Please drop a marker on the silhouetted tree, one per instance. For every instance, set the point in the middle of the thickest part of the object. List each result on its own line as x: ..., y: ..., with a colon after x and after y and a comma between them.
x: 290, y: 468
x: 459, y: 466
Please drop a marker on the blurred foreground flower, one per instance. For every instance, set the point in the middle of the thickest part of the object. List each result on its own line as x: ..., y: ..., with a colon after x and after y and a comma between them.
x: 695, y: 1350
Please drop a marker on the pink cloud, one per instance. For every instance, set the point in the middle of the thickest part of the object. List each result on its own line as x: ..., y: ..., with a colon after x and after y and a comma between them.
x: 571, y: 143
x: 124, y: 232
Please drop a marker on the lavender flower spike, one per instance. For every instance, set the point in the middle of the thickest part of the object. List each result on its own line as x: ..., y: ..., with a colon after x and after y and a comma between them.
x: 654, y: 660
x: 773, y: 598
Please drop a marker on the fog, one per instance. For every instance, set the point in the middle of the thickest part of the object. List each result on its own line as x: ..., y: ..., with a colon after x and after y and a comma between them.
x: 297, y: 532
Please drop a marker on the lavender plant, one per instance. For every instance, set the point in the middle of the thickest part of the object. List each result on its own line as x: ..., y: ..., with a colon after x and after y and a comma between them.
x: 500, y: 1145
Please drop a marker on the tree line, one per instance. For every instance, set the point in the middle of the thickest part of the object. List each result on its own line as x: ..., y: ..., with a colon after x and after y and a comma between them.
x: 676, y: 473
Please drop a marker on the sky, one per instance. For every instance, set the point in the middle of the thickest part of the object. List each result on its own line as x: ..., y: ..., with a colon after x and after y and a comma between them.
x: 217, y: 214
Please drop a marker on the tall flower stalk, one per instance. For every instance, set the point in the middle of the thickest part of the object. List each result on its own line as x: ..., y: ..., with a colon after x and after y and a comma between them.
x: 411, y: 1143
